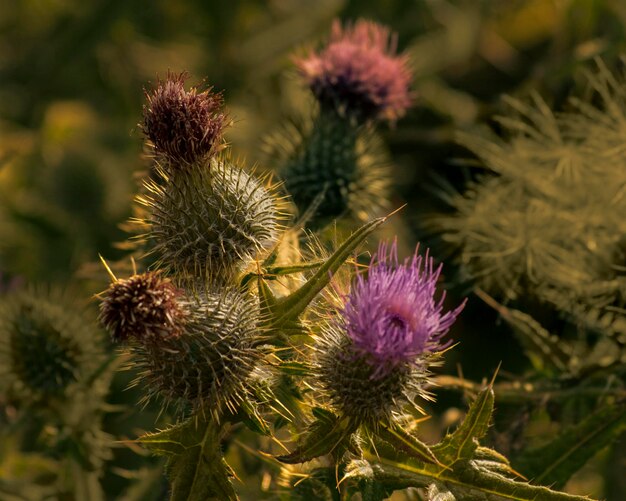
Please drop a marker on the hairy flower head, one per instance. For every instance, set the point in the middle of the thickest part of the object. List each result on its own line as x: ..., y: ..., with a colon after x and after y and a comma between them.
x: 143, y: 307
x: 375, y: 355
x: 392, y: 316
x: 359, y: 72
x: 184, y: 126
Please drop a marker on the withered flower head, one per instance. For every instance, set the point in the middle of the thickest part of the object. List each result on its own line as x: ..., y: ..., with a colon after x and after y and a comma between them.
x: 184, y: 126
x: 143, y: 307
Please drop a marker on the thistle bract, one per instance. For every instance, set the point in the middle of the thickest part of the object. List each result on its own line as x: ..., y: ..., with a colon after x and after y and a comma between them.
x: 205, y: 224
x: 334, y: 157
x: 358, y: 72
x: 193, y: 349
x: 376, y: 355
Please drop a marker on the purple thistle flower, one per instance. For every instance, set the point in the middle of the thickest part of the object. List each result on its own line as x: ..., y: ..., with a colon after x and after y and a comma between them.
x: 392, y: 316
x: 359, y: 72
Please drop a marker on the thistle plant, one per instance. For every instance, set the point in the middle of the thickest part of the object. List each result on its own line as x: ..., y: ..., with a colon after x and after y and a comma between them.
x: 187, y: 349
x: 207, y: 216
x: 54, y: 377
x: 538, y: 234
x: 376, y: 354
x: 339, y: 380
x: 46, y: 352
x: 335, y: 163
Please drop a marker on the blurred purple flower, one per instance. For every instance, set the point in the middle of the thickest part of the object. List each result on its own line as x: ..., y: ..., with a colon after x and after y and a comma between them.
x: 392, y: 316
x: 359, y: 72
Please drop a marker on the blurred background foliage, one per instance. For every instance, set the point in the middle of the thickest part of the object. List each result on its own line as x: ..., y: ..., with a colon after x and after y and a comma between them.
x: 71, y: 80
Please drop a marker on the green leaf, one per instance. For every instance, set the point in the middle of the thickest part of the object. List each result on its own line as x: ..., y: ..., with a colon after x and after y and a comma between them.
x: 253, y: 420
x: 196, y: 468
x: 467, y: 481
x: 325, y: 435
x: 271, y: 272
x: 406, y: 442
x: 365, y: 484
x: 555, y: 462
x: 464, y: 441
x: 285, y: 311
x: 471, y: 472
x: 543, y: 349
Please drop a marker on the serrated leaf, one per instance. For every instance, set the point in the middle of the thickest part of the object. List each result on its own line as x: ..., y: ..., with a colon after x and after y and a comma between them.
x: 285, y: 311
x: 324, y: 436
x: 195, y: 468
x: 555, y: 462
x: 406, y: 442
x: 467, y: 481
x: 542, y: 348
x: 464, y: 441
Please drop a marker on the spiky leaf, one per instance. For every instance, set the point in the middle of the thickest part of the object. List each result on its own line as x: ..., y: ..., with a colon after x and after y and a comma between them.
x: 285, y: 311
x: 195, y: 467
x: 325, y: 435
x: 464, y: 441
x: 544, y: 350
x: 467, y: 480
x: 556, y: 461
x: 406, y: 442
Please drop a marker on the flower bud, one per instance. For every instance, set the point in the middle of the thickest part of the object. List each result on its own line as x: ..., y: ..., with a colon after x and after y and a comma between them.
x: 210, y: 362
x: 205, y: 224
x: 188, y: 348
x: 333, y: 156
x: 47, y: 345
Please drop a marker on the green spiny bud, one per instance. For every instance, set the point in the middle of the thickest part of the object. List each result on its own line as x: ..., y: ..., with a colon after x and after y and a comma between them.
x: 206, y: 223
x: 335, y: 156
x: 202, y: 352
x: 213, y: 358
x: 47, y: 345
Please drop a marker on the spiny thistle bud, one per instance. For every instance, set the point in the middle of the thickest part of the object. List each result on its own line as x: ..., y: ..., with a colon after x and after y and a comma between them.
x: 358, y: 73
x: 375, y: 356
x: 193, y: 349
x: 143, y: 307
x: 47, y: 346
x: 333, y: 156
x: 183, y: 126
x: 206, y: 223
